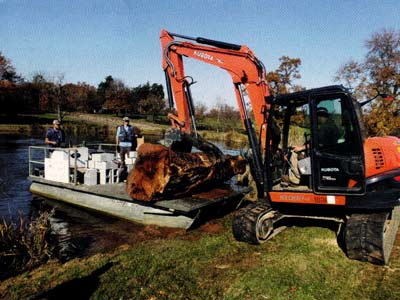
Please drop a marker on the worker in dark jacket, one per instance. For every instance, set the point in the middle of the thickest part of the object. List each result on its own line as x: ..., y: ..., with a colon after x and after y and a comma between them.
x: 126, y: 139
x: 55, y: 136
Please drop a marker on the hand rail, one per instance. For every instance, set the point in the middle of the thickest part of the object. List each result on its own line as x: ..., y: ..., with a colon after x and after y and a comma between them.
x: 72, y: 153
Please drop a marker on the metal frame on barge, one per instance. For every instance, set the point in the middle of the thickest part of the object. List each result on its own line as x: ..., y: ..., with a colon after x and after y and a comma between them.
x: 111, y: 198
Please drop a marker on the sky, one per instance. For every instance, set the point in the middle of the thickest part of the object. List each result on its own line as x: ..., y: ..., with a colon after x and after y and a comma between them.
x: 87, y: 40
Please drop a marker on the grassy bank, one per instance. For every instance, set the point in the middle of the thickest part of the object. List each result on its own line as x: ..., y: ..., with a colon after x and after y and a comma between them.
x: 207, y: 263
x: 28, y: 125
x: 149, y: 128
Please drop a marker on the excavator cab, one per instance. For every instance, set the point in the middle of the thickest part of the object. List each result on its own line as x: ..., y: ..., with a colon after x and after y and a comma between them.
x: 323, y: 123
x: 327, y: 177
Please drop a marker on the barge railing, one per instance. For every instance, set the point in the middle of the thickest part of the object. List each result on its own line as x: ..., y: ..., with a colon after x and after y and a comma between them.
x: 38, y: 154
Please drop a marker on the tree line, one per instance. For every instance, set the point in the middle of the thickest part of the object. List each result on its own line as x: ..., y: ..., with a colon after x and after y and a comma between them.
x: 377, y: 72
x: 41, y: 95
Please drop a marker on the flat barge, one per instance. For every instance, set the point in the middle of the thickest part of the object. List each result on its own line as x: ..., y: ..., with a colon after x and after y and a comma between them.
x: 61, y: 180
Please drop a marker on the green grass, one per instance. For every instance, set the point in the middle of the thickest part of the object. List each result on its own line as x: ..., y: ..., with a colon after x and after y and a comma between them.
x: 299, y: 263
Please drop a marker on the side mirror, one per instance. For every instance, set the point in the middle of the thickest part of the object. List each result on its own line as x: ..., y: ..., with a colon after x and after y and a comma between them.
x: 385, y: 96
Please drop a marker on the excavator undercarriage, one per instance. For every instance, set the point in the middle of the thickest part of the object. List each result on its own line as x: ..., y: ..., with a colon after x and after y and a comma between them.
x: 364, y: 236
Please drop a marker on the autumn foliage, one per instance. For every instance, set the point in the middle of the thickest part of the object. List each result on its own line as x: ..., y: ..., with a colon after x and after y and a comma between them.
x: 42, y: 94
x: 378, y: 72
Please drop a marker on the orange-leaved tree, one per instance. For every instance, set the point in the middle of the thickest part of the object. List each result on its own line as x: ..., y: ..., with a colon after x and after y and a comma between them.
x: 379, y: 72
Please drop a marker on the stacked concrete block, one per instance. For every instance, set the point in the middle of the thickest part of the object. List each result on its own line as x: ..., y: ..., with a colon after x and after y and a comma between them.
x: 102, y: 165
x: 102, y: 156
x: 56, y: 167
x: 130, y: 161
x: 91, y: 164
x: 106, y: 166
x: 90, y: 177
x: 82, y: 156
x: 59, y: 155
x: 109, y: 176
x: 133, y: 154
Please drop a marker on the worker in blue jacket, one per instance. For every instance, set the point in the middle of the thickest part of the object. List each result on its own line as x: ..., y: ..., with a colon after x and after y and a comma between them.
x: 55, y: 136
x: 126, y: 139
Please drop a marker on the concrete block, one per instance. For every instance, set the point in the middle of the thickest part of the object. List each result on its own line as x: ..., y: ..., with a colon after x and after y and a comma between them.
x: 132, y: 154
x: 91, y: 164
x: 59, y: 155
x: 103, y: 165
x: 84, y: 153
x: 130, y: 161
x: 108, y: 176
x: 56, y: 170
x: 103, y: 156
x: 90, y: 177
x: 80, y: 163
x: 82, y: 156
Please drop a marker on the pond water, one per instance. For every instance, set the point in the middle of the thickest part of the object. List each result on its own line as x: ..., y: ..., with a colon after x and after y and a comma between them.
x: 78, y: 232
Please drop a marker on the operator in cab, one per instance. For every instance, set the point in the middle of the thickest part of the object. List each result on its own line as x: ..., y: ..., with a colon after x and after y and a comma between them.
x: 328, y: 135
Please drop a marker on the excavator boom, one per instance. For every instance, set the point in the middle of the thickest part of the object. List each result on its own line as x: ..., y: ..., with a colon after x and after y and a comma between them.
x: 246, y: 71
x: 248, y: 78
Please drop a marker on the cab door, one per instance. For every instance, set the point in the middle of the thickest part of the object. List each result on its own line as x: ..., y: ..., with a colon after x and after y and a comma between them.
x: 337, y: 148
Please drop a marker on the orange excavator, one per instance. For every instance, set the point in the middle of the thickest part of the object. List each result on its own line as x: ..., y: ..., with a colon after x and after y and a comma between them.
x: 338, y: 174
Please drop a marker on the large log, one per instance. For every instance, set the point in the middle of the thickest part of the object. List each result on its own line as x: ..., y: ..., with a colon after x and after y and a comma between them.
x: 161, y: 173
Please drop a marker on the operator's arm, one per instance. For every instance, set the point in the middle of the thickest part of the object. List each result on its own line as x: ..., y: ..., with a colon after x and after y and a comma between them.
x: 48, y: 142
x: 299, y: 148
x: 48, y: 138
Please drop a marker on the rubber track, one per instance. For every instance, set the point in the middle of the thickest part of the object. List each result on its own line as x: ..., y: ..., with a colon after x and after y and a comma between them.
x: 245, y: 223
x: 365, y: 239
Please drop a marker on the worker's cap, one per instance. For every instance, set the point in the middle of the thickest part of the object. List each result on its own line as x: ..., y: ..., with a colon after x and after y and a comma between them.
x: 125, y: 119
x: 322, y: 111
x: 56, y: 122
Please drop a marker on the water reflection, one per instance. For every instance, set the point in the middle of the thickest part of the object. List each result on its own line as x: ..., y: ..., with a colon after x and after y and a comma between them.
x: 14, y: 186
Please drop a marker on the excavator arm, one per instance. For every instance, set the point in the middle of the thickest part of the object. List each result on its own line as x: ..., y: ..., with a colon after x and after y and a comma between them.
x: 246, y: 71
x: 248, y: 78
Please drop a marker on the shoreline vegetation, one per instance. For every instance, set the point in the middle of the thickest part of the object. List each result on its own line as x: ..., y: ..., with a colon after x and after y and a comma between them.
x: 305, y: 261
x: 40, y: 123
x: 25, y: 243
